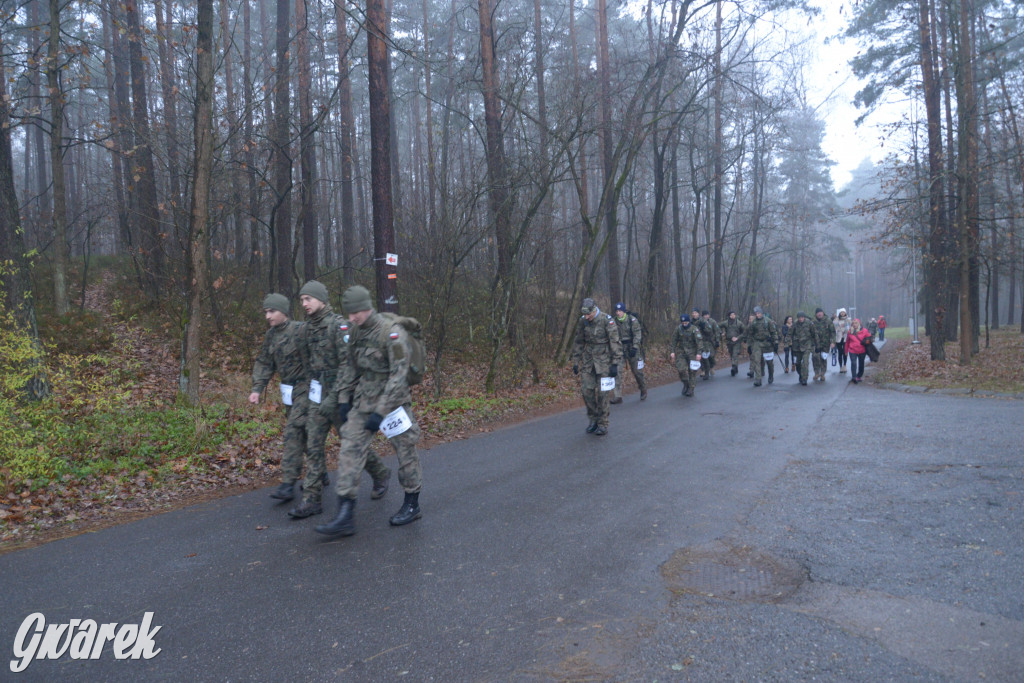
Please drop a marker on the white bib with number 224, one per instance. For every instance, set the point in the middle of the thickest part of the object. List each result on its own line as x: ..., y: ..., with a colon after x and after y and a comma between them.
x: 607, y: 383
x: 396, y: 422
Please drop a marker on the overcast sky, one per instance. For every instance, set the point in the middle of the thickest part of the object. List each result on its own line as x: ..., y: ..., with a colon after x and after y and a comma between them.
x: 833, y: 86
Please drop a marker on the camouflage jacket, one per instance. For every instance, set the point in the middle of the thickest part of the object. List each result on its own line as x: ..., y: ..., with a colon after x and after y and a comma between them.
x: 280, y: 354
x: 630, y: 333
x: 716, y: 332
x: 687, y: 341
x: 822, y: 333
x: 803, y: 336
x: 733, y: 328
x: 376, y: 380
x: 763, y: 333
x: 706, y: 339
x: 597, y: 344
x: 324, y: 350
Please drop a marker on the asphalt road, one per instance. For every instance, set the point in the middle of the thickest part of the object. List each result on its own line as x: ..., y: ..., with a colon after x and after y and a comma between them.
x: 828, y: 532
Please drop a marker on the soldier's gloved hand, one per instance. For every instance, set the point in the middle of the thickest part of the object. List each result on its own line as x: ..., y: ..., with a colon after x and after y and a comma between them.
x: 575, y: 369
x: 373, y: 422
x: 632, y: 352
x: 326, y: 409
x: 613, y: 370
x: 343, y: 409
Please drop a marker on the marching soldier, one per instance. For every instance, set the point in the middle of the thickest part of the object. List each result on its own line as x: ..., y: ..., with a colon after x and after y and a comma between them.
x: 326, y: 355
x: 762, y: 336
x: 716, y: 340
x: 375, y: 385
x: 596, y: 354
x: 733, y: 329
x: 686, y: 347
x: 280, y: 354
x: 822, y: 341
x: 631, y: 336
x: 804, y: 341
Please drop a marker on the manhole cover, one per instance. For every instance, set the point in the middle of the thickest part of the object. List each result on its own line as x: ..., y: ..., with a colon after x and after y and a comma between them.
x: 731, y: 573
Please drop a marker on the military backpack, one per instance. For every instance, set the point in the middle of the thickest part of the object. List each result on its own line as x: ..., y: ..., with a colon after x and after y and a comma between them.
x: 417, y: 349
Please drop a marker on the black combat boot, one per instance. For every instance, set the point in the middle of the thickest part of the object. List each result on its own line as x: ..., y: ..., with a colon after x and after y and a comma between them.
x: 284, y: 492
x: 592, y: 427
x: 735, y: 370
x: 409, y: 512
x: 307, y: 508
x: 380, y: 487
x: 342, y: 525
x: 601, y: 431
x: 643, y: 394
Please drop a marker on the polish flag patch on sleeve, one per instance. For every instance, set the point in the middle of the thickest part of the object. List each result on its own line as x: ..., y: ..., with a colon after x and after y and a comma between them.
x: 394, y: 336
x: 343, y: 327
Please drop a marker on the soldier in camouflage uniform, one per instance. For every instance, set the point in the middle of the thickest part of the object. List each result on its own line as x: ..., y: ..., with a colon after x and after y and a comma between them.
x: 803, y: 339
x: 822, y: 341
x: 763, y: 337
x: 374, y: 385
x: 687, y: 344
x: 596, y: 353
x: 716, y: 340
x: 631, y: 335
x: 280, y: 354
x: 733, y: 329
x: 325, y: 352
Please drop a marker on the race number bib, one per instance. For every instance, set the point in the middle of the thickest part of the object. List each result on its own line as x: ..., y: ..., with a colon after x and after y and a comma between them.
x: 286, y: 394
x: 607, y: 383
x: 695, y: 365
x: 770, y: 355
x: 640, y: 364
x: 315, y: 391
x: 396, y: 422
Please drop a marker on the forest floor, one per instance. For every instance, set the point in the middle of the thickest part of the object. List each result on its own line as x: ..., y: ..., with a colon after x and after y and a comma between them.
x: 998, y: 367
x: 151, y: 453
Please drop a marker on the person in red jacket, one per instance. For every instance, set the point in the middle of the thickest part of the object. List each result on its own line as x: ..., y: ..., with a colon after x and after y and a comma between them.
x: 856, y: 346
x: 881, y: 327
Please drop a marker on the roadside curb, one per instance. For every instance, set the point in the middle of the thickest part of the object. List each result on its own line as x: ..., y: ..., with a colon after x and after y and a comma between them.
x: 961, y: 391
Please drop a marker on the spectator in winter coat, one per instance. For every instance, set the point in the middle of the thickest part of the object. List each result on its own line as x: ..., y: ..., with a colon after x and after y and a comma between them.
x: 856, y: 345
x: 841, y: 325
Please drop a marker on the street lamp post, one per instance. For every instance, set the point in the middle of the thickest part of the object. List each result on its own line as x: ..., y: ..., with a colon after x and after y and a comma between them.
x: 913, y: 313
x: 853, y: 309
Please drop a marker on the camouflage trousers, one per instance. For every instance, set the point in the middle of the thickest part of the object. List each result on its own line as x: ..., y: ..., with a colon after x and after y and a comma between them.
x: 319, y: 426
x: 757, y: 361
x: 687, y: 376
x: 294, y: 440
x: 357, y: 454
x: 638, y: 375
x: 820, y: 364
x: 800, y: 362
x: 735, y: 348
x: 596, y: 400
x: 707, y: 362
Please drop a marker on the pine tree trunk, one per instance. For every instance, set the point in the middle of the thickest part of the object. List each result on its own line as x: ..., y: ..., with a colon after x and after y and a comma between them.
x: 381, y: 154
x: 282, y: 215
x: 199, y: 237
